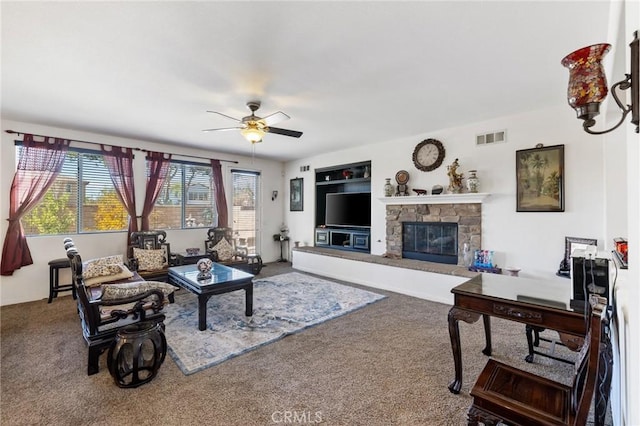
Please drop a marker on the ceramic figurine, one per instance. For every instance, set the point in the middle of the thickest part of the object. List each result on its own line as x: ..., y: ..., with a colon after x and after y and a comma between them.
x: 455, y: 178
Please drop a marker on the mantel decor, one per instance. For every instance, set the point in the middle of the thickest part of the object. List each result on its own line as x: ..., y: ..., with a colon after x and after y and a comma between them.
x: 296, y: 194
x: 466, y: 198
x: 540, y: 179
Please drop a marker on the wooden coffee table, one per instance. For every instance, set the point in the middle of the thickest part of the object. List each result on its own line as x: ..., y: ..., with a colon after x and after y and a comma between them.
x: 223, y: 280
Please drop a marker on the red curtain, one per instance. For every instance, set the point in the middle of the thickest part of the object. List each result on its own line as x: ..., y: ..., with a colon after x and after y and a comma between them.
x: 38, y: 166
x: 157, y: 170
x: 221, y: 198
x: 119, y: 162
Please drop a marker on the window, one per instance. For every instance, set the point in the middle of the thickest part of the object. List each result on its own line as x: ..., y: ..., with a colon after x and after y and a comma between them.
x: 81, y: 199
x: 245, y: 216
x: 186, y: 198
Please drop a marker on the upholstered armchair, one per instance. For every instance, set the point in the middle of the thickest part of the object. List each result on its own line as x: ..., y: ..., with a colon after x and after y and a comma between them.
x: 221, y: 247
x: 150, y: 255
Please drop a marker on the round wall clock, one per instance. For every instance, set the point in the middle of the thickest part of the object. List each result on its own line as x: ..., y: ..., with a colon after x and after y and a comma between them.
x: 428, y: 155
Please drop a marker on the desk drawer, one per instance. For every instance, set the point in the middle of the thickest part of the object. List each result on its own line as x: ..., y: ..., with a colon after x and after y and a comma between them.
x: 554, y: 319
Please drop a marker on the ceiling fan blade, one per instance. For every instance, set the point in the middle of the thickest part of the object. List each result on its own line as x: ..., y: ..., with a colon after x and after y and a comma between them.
x: 274, y: 118
x: 223, y: 129
x: 285, y: 132
x: 225, y: 115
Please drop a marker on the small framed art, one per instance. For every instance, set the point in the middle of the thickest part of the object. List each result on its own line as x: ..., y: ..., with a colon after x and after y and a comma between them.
x: 296, y: 195
x: 540, y: 179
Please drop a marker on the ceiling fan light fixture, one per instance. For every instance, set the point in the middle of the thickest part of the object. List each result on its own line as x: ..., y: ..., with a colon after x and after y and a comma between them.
x: 253, y: 133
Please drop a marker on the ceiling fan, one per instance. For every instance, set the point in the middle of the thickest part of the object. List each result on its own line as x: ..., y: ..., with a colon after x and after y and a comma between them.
x: 253, y: 128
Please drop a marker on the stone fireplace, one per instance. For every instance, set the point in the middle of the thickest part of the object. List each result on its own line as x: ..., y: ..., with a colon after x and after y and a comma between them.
x: 467, y: 217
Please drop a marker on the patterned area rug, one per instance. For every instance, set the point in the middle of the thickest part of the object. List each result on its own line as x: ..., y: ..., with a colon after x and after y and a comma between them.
x: 282, y: 305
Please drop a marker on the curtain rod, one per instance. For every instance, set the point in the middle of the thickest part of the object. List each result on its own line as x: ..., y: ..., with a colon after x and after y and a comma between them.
x: 13, y: 132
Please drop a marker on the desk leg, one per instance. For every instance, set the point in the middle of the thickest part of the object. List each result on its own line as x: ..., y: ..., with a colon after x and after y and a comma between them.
x: 455, y: 315
x: 486, y: 319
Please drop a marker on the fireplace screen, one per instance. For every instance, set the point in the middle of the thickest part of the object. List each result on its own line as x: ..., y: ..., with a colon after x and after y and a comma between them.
x: 430, y: 241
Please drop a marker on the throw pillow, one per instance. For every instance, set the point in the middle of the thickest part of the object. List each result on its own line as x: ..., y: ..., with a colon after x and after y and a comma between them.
x: 122, y: 291
x: 224, y: 250
x: 99, y: 270
x: 123, y: 273
x: 149, y: 260
x: 100, y: 266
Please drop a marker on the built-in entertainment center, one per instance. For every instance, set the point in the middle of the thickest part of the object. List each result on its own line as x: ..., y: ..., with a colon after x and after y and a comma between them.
x: 343, y: 207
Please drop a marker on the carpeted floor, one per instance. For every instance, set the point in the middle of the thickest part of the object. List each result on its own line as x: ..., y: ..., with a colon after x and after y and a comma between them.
x: 386, y: 364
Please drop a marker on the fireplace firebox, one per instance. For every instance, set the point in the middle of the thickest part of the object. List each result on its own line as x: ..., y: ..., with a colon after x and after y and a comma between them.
x: 430, y: 241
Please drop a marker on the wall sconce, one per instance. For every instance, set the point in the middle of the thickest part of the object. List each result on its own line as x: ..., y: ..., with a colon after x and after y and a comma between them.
x: 588, y: 84
x: 274, y: 195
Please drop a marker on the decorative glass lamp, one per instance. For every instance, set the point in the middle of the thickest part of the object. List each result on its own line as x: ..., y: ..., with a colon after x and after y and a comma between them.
x: 588, y: 84
x: 587, y: 80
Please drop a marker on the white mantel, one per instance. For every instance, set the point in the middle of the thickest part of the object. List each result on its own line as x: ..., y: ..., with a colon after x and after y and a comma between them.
x: 436, y: 199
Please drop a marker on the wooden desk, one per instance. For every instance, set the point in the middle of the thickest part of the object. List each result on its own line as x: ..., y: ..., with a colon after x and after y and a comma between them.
x: 544, y: 304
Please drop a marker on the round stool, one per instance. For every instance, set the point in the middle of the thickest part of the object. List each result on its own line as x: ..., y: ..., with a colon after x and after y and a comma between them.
x: 136, y: 354
x: 54, y: 278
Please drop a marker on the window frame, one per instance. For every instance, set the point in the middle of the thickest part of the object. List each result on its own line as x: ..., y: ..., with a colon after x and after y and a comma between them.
x: 79, y: 197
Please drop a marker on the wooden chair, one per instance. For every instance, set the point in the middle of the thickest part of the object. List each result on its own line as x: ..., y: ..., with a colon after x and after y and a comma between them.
x: 151, y: 240
x: 240, y: 258
x: 506, y: 394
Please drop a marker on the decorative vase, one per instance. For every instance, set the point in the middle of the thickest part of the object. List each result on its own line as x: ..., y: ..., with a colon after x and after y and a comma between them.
x: 472, y: 181
x: 388, y: 188
x: 204, y: 266
x: 367, y: 172
x: 587, y: 80
x: 467, y: 256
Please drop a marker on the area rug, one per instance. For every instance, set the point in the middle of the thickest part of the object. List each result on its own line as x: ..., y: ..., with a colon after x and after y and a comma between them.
x: 282, y: 305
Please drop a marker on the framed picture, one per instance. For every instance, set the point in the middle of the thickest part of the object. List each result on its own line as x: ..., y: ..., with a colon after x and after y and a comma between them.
x: 574, y: 243
x: 540, y: 179
x: 149, y: 243
x: 296, y: 194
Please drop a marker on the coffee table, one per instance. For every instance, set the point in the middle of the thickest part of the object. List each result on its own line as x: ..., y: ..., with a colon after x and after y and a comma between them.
x: 223, y: 280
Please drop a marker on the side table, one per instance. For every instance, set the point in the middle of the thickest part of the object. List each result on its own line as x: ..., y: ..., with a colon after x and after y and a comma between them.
x: 189, y: 259
x: 283, y: 241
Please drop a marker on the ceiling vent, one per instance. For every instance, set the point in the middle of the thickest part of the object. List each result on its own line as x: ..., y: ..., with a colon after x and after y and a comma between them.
x: 499, y: 136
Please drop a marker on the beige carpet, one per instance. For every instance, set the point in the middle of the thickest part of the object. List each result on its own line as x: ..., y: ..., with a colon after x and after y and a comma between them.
x: 386, y: 364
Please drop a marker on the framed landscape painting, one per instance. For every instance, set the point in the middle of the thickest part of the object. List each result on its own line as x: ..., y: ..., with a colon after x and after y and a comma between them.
x: 296, y: 202
x: 540, y: 179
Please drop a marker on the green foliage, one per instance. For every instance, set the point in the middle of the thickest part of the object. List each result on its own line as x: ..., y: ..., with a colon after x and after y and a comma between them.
x: 53, y: 215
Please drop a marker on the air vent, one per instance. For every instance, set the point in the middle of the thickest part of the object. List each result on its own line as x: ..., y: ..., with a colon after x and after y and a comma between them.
x: 499, y: 136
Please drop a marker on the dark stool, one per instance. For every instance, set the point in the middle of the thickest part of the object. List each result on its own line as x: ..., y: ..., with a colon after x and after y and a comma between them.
x: 54, y: 278
x: 255, y: 263
x: 137, y: 353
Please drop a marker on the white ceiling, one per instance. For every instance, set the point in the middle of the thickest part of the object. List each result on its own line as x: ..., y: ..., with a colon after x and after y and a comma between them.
x: 348, y: 73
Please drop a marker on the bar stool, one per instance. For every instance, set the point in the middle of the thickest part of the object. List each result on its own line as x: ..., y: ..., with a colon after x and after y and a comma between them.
x: 54, y: 278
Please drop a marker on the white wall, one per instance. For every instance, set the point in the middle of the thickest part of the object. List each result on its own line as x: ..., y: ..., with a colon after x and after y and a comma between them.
x: 533, y: 242
x: 602, y: 187
x: 32, y: 282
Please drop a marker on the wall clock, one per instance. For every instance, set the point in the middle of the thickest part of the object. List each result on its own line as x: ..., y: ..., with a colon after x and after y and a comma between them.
x: 428, y: 155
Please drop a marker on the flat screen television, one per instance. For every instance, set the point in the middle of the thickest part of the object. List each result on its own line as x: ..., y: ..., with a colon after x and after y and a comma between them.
x: 348, y: 209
